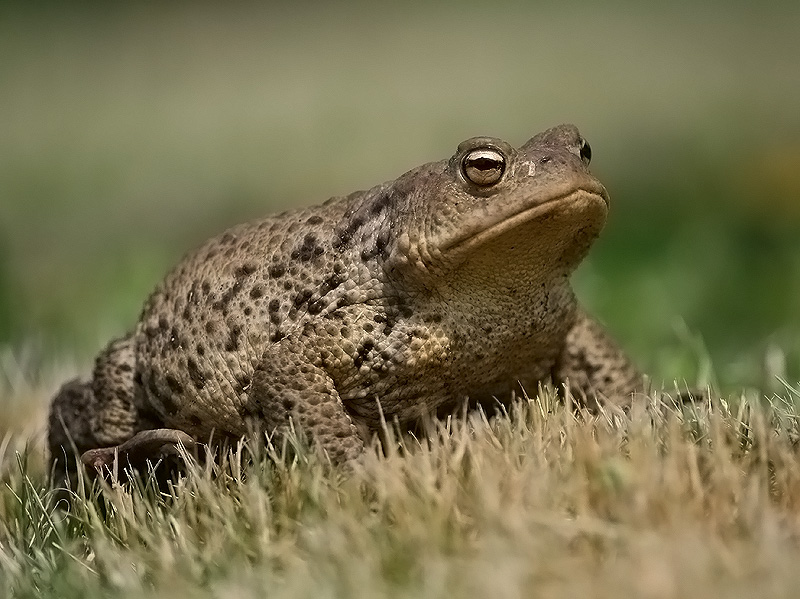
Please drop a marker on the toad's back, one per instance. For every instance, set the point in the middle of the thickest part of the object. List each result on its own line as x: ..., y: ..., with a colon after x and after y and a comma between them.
x: 203, y: 331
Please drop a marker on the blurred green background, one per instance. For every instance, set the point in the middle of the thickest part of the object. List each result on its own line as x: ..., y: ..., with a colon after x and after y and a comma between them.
x: 131, y: 132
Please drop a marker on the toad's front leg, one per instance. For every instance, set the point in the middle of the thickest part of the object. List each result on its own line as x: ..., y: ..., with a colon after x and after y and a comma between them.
x: 289, y: 385
x: 594, y: 368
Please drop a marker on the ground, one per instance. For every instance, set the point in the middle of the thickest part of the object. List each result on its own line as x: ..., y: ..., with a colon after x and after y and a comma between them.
x: 664, y: 502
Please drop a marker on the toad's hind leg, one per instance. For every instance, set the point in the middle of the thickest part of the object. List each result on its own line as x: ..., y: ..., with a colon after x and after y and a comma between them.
x: 103, y: 412
x: 154, y: 446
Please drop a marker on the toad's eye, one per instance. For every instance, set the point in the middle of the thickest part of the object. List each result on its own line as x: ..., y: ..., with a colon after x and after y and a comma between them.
x: 483, y: 167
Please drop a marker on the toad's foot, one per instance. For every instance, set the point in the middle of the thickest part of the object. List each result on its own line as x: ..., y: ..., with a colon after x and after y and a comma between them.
x: 152, y: 446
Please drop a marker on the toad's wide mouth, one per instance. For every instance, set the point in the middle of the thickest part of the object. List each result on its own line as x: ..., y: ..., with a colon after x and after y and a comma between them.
x: 483, y: 232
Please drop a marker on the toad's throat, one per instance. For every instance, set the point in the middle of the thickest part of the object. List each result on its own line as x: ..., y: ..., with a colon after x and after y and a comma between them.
x: 475, y: 238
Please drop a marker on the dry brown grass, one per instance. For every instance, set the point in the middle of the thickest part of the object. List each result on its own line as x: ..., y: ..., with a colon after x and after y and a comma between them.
x: 664, y: 502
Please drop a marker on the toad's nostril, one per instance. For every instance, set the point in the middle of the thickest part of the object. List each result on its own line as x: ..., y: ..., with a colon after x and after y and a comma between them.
x: 586, y: 151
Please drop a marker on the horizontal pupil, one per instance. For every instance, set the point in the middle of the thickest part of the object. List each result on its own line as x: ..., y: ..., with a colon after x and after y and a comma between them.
x: 484, y: 164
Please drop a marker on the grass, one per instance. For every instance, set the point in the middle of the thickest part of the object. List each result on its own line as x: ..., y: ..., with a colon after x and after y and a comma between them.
x: 664, y: 502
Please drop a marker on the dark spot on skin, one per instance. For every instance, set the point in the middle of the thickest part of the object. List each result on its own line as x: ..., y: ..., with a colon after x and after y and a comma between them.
x: 287, y: 285
x: 245, y: 270
x: 209, y: 327
x: 277, y: 270
x: 302, y: 297
x: 545, y: 159
x: 227, y: 239
x: 174, y: 339
x: 186, y: 313
x: 363, y: 352
x: 436, y: 317
x: 174, y: 385
x: 330, y: 283
x: 152, y: 389
x: 257, y: 292
x: 125, y: 367
x: 277, y: 336
x: 274, y: 311
x: 233, y: 338
x: 168, y: 403
x: 288, y: 404
x: 163, y: 324
x: 195, y: 421
x: 206, y: 287
x: 210, y: 254
x: 201, y: 350
x: 316, y: 306
x: 386, y: 356
x: 390, y: 322
x: 315, y: 220
x: 382, y: 202
x: 338, y: 268
x: 585, y: 365
x: 345, y: 235
x: 382, y: 244
x: 308, y: 250
x: 197, y: 376
x: 226, y: 298
x: 248, y: 311
x: 396, y: 309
